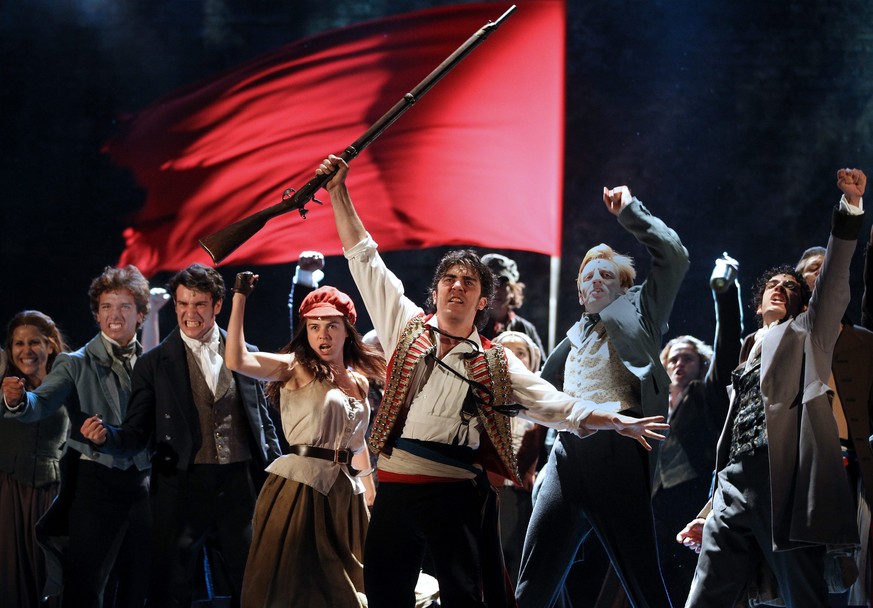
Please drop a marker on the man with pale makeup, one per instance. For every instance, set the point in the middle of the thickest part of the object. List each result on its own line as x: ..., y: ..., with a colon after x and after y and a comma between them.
x: 781, y: 496
x: 611, y: 354
x: 212, y: 438
x: 443, y: 422
x: 100, y: 521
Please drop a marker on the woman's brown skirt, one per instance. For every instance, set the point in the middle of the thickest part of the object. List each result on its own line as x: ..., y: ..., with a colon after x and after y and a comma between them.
x: 307, y: 549
x: 22, y: 565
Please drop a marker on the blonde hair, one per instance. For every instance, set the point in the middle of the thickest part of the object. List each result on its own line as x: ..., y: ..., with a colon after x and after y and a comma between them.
x: 704, y: 352
x: 624, y: 263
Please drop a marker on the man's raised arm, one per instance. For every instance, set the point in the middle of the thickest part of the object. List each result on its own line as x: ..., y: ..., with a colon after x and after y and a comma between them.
x: 348, y: 224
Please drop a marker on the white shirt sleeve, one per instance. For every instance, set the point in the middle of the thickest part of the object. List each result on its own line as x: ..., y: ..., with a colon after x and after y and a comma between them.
x: 382, y: 293
x: 547, y: 405
x: 845, y: 207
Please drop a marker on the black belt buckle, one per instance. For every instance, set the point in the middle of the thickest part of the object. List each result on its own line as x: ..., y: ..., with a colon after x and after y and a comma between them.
x: 342, y: 457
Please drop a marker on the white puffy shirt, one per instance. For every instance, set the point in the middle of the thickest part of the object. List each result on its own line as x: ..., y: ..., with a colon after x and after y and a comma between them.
x: 434, y: 414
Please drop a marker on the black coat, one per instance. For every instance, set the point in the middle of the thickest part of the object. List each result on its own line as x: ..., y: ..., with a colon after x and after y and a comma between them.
x: 162, y: 413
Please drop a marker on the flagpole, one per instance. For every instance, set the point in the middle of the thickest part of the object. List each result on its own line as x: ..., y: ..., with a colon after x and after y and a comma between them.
x: 554, y: 276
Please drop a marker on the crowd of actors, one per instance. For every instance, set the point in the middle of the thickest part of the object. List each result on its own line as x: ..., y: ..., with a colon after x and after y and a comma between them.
x: 443, y: 458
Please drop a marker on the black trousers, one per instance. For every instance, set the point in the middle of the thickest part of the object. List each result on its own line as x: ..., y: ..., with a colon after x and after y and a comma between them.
x: 110, y: 527
x: 599, y: 483
x: 739, y: 535
x: 444, y: 519
x: 516, y: 506
x: 674, y: 507
x: 207, y: 503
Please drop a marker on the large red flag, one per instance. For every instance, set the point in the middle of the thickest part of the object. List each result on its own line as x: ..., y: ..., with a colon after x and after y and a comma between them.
x: 477, y: 161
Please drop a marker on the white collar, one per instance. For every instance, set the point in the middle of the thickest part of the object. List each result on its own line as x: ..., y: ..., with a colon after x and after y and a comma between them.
x: 211, y: 340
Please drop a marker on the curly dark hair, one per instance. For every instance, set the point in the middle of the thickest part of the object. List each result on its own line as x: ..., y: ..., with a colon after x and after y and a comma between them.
x: 761, y: 283
x: 116, y: 279
x: 198, y: 277
x: 358, y: 355
x: 470, y: 259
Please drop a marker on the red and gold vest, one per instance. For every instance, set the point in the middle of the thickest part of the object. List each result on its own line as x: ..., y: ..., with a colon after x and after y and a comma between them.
x: 488, y: 368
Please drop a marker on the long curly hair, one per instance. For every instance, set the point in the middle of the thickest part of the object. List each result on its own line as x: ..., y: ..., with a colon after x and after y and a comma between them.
x: 357, y: 355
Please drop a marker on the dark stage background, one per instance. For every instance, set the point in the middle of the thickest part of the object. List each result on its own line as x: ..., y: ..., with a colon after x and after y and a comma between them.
x: 728, y: 119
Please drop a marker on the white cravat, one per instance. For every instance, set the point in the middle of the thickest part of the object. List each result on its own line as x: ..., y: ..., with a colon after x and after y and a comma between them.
x: 206, y: 353
x: 755, y: 353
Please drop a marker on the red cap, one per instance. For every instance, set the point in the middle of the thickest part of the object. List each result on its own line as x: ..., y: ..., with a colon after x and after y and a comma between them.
x: 328, y: 302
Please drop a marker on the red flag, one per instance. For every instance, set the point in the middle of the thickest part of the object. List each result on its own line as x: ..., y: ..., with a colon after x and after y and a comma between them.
x: 477, y: 161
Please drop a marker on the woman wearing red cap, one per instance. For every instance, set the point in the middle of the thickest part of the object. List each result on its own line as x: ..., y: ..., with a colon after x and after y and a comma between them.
x: 311, y: 519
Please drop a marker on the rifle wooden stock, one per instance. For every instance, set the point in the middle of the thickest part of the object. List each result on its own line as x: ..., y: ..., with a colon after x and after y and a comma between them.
x: 221, y: 244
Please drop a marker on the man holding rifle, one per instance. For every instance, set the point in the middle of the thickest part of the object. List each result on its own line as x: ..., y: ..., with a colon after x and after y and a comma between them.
x: 444, y: 420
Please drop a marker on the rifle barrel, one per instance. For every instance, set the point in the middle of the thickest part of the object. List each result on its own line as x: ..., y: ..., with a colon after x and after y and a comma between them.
x: 221, y: 244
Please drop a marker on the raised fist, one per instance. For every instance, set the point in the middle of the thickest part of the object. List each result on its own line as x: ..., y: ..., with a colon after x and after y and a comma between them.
x: 158, y: 296
x: 852, y: 183
x: 245, y: 283
x: 311, y: 260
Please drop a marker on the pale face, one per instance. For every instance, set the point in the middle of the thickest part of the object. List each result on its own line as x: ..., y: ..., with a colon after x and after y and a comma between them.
x: 195, y: 312
x: 599, y: 285
x: 327, y: 337
x: 811, y: 269
x: 683, y: 364
x: 30, y: 352
x: 458, y: 297
x: 519, y: 349
x: 117, y: 315
x: 781, y: 299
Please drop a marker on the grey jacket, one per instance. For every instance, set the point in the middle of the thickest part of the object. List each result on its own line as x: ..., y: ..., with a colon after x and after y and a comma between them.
x: 811, y: 501
x: 85, y: 383
x: 636, y: 321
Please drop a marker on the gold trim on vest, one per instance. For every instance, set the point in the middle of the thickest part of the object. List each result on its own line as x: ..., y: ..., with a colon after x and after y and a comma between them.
x: 488, y: 368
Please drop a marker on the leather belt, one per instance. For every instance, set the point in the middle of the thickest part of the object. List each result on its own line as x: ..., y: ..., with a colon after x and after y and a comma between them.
x: 337, y: 456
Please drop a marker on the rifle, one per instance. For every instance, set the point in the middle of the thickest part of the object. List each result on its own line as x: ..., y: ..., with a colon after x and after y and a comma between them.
x: 221, y: 244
